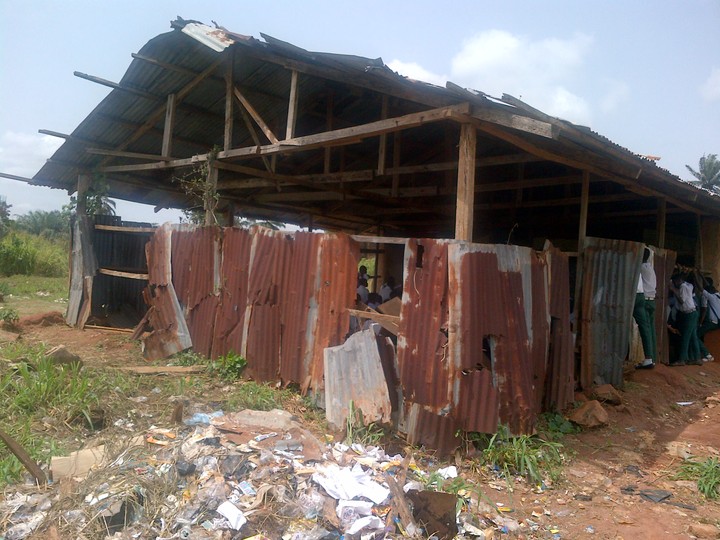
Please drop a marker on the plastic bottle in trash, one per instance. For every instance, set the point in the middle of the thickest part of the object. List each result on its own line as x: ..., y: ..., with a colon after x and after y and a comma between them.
x: 185, y: 533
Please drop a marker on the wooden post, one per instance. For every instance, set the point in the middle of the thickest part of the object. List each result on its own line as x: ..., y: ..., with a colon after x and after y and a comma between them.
x: 210, y: 207
x: 169, y: 126
x: 582, y: 234
x: 229, y: 103
x: 292, y: 106
x: 397, y: 143
x: 382, y: 148
x: 661, y: 220
x: 328, y: 127
x: 83, y: 184
x: 465, y: 200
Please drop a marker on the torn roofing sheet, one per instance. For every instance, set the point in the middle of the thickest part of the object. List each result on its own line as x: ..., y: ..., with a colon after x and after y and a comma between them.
x: 354, y: 375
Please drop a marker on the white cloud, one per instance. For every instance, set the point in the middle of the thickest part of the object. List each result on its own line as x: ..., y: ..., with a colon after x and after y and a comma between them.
x: 617, y: 93
x: 537, y: 71
x: 415, y: 71
x: 23, y: 154
x: 710, y: 89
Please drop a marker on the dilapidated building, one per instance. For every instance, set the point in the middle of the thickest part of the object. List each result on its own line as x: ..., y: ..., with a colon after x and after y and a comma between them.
x: 501, y: 220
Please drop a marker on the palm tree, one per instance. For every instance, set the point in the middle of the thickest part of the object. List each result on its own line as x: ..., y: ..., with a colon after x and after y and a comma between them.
x: 708, y: 173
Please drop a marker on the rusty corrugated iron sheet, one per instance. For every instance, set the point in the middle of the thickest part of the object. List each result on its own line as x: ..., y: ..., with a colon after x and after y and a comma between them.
x: 499, y: 317
x: 354, y: 375
x: 560, y: 374
x: 503, y: 307
x: 423, y: 339
x: 235, y: 269
x: 334, y: 293
x: 432, y: 430
x: 609, y: 281
x: 170, y: 331
x: 276, y: 298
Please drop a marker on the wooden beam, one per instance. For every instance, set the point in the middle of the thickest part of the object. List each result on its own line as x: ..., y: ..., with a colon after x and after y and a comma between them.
x: 83, y: 184
x: 329, y: 108
x: 584, y: 199
x: 118, y: 273
x: 15, y: 177
x: 116, y: 86
x: 228, y: 132
x: 160, y: 111
x: 256, y: 116
x: 169, y: 125
x: 130, y: 155
x: 382, y: 145
x: 516, y: 121
x: 661, y: 221
x: 465, y: 199
x: 292, y: 106
x: 396, y: 163
x: 364, y: 239
x: 118, y: 228
x: 253, y: 134
x: 350, y: 135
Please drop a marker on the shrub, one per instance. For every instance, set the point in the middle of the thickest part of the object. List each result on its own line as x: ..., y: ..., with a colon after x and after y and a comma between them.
x: 26, y: 254
x: 705, y: 473
x: 17, y: 256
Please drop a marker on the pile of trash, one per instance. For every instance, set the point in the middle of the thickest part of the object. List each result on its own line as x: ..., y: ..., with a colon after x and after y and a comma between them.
x: 244, y: 475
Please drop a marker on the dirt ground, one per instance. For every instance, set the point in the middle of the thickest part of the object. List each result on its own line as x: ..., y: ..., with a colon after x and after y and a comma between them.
x: 664, y: 417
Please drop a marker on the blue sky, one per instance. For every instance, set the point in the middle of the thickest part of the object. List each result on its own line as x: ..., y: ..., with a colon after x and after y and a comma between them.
x: 644, y: 74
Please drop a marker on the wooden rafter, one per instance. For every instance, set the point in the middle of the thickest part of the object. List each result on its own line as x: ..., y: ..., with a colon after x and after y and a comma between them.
x: 256, y: 116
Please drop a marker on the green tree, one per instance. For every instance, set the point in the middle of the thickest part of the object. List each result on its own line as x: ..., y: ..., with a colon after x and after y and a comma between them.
x: 708, y: 173
x: 5, y: 220
x: 53, y: 224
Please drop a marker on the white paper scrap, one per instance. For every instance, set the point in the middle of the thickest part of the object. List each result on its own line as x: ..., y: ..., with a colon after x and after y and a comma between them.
x: 448, y: 472
x: 233, y: 514
x: 367, y: 522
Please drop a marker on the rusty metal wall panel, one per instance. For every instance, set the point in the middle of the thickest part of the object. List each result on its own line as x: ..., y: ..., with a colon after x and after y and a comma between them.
x: 170, y: 333
x: 334, y: 293
x: 158, y: 254
x: 354, y: 374
x: 298, y: 288
x: 498, y: 298
x: 194, y: 257
x: 560, y: 375
x: 428, y: 428
x: 664, y: 263
x: 263, y: 342
x: 269, y: 258
x: 235, y: 271
x: 609, y: 282
x: 422, y: 340
x: 201, y: 323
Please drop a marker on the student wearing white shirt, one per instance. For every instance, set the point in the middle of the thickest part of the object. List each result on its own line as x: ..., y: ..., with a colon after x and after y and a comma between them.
x: 687, y: 321
x: 644, y: 310
x: 709, y: 317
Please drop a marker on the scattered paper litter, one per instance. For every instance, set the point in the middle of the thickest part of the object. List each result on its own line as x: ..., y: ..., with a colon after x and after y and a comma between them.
x: 233, y: 514
x: 345, y: 483
x: 448, y: 472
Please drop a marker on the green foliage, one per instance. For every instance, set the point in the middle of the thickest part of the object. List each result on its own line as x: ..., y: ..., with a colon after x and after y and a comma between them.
x: 97, y: 201
x: 369, y: 264
x: 524, y: 455
x: 54, y: 224
x: 188, y: 358
x: 228, y: 367
x: 708, y: 173
x: 9, y: 315
x: 200, y: 186
x: 256, y: 396
x: 435, y: 482
x: 4, y: 290
x: 357, y: 432
x: 705, y: 473
x: 5, y: 221
x: 26, y: 254
x: 555, y: 426
x: 36, y: 388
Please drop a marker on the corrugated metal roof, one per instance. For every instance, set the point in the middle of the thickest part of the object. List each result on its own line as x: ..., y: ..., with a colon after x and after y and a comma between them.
x: 168, y: 63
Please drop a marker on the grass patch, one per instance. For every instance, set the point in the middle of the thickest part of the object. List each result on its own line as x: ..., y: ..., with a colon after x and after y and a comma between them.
x: 257, y: 396
x: 30, y: 254
x: 50, y: 288
x: 357, y: 432
x: 705, y: 473
x: 523, y: 455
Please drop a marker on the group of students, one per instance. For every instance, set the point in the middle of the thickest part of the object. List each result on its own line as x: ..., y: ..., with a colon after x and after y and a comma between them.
x: 693, y: 310
x: 388, y: 290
